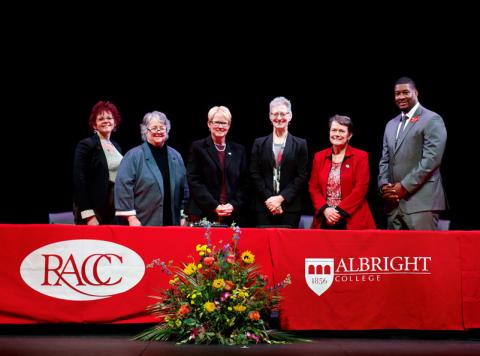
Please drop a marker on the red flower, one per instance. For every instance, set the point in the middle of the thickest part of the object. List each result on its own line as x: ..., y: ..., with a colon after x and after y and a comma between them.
x: 415, y: 119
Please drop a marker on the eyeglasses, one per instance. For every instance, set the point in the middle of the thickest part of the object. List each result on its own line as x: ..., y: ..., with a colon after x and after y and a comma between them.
x: 157, y: 129
x: 279, y: 114
x: 219, y: 123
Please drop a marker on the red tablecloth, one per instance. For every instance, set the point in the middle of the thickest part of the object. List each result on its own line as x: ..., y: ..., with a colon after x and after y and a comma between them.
x: 376, y: 280
x: 341, y: 280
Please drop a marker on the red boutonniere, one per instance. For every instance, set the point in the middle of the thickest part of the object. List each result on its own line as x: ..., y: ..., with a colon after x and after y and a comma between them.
x: 415, y: 119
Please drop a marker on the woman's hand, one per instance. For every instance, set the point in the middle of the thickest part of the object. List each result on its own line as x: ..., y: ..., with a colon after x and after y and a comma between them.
x: 133, y: 221
x: 274, y: 204
x: 92, y: 220
x: 224, y: 209
x: 331, y: 215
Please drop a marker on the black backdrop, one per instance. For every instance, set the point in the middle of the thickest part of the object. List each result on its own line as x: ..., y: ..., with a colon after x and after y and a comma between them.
x: 50, y: 85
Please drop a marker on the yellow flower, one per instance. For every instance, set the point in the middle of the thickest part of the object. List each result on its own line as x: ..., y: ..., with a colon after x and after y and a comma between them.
x: 209, y: 307
x: 218, y: 283
x: 239, y: 308
x: 199, y: 266
x: 242, y: 294
x: 248, y: 257
x: 201, y: 249
x: 190, y: 269
x: 174, y: 280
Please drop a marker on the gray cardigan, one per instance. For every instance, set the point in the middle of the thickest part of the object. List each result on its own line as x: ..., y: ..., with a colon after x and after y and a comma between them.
x: 139, y: 186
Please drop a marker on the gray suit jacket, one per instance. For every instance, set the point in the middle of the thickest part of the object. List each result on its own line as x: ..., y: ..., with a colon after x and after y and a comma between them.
x: 414, y: 161
x: 139, y: 186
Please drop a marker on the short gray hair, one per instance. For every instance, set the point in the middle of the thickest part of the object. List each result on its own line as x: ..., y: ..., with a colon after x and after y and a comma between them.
x: 280, y: 100
x: 151, y: 116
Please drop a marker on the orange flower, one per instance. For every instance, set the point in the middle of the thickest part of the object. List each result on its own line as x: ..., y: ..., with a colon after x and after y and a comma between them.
x: 254, y: 315
x: 209, y: 260
x: 231, y: 259
x: 184, y: 309
x: 228, y: 285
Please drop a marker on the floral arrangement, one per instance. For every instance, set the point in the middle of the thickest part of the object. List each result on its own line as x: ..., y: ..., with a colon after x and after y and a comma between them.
x: 218, y: 297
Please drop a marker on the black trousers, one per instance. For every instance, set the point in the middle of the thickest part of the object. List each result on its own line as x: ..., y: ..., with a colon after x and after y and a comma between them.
x: 287, y: 219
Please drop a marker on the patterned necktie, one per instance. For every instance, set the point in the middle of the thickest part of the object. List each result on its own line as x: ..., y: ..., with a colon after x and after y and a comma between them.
x: 404, y: 122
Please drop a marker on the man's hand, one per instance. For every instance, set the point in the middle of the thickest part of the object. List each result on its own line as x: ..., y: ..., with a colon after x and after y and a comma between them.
x: 393, y: 192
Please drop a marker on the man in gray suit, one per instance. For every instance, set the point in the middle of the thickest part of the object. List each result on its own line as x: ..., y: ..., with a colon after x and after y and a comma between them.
x: 409, y: 171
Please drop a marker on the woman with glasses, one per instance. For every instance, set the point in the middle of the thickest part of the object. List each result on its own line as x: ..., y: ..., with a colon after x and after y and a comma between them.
x: 151, y: 186
x: 339, y: 182
x: 217, y: 173
x: 279, y: 170
x: 95, y: 166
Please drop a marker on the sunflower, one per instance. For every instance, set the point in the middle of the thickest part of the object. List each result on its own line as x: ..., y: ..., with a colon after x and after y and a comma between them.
x: 248, y: 257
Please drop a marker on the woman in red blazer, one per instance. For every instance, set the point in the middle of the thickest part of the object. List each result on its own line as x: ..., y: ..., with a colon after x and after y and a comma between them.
x: 339, y: 182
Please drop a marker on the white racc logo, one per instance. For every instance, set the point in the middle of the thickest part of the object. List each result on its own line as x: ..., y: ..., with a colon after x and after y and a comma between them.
x: 82, y: 269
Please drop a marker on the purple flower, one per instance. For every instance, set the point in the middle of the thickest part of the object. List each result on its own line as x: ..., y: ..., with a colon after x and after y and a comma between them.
x: 252, y: 336
x: 225, y: 296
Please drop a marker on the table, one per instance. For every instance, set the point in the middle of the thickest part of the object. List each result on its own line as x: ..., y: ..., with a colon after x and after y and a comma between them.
x: 341, y: 280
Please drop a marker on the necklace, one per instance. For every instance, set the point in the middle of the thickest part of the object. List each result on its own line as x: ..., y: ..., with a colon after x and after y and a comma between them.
x: 220, y: 148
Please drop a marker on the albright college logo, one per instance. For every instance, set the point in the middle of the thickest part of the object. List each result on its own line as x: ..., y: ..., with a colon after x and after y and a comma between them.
x: 321, y: 273
x: 82, y: 269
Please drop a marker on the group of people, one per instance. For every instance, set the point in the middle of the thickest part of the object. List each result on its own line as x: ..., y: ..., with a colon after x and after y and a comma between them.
x: 151, y: 185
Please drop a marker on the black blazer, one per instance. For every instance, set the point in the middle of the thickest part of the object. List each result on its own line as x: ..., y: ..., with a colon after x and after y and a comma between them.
x: 205, y: 178
x: 293, y: 172
x: 90, y: 174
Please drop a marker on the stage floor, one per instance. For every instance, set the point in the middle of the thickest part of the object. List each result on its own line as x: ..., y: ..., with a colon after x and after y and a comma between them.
x: 73, y: 340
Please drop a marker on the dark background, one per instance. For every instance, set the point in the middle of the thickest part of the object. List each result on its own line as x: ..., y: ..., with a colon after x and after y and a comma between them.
x: 56, y: 70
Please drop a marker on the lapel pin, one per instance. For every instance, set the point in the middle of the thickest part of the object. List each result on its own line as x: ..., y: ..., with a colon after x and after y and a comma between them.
x: 347, y: 165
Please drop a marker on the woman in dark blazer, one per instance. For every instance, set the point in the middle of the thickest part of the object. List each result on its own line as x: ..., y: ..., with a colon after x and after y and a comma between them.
x: 279, y: 170
x: 217, y: 173
x: 95, y: 167
x: 339, y: 182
